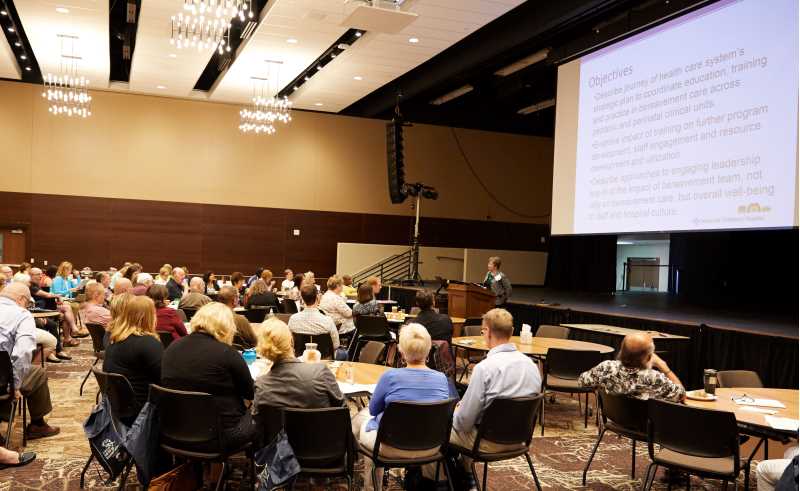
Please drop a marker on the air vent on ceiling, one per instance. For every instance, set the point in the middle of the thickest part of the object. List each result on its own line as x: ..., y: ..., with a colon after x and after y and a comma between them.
x: 378, y: 19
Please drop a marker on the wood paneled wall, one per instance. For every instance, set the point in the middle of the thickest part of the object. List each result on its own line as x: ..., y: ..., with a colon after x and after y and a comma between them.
x: 103, y: 232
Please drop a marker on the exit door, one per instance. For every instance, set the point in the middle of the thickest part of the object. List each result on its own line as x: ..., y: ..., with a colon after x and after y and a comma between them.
x: 12, y: 246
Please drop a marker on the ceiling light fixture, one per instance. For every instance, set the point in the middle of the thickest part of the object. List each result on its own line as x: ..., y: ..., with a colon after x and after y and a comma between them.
x: 17, y: 44
x: 266, y: 107
x: 10, y: 29
x: 452, y: 95
x: 66, y: 92
x: 28, y: 68
x: 318, y: 104
x: 291, y: 41
x: 62, y: 10
x: 200, y: 32
x: 3, y: 13
x: 413, y: 40
x: 221, y: 9
x: 518, y: 65
x: 23, y: 57
x: 161, y: 87
x: 358, y: 77
x: 537, y: 107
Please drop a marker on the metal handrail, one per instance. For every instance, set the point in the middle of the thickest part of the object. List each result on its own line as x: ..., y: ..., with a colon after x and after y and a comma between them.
x: 390, y: 268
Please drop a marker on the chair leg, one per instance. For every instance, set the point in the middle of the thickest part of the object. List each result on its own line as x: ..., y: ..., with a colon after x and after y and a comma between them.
x: 375, y: 478
x: 688, y: 481
x: 12, y: 413
x: 533, y: 472
x: 586, y: 411
x: 124, y: 478
x: 485, y: 474
x: 650, y: 476
x: 475, y: 475
x: 633, y: 459
x: 447, y: 476
x: 80, y: 392
x: 541, y: 416
x: 85, y: 469
x: 349, y: 483
x: 221, y: 478
x: 591, y: 456
x: 24, y: 421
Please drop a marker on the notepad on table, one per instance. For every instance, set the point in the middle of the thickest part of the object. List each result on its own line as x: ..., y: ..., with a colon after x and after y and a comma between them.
x: 779, y: 423
x: 758, y: 402
x: 356, y: 388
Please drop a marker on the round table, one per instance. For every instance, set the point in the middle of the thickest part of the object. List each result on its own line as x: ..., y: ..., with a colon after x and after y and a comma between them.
x: 539, y: 347
x: 363, y: 373
x: 42, y: 315
x: 724, y: 402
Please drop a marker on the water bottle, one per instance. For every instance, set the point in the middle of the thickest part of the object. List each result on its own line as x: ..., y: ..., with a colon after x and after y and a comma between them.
x: 249, y: 356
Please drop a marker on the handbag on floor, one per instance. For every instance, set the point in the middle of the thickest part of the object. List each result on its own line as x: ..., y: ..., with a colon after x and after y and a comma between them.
x: 105, y: 441
x: 276, y: 463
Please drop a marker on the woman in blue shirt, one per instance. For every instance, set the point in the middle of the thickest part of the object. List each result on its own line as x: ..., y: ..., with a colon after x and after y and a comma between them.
x: 64, y: 283
x: 416, y: 382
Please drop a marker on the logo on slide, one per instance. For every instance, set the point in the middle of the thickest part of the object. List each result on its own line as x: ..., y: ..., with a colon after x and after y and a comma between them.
x: 753, y: 208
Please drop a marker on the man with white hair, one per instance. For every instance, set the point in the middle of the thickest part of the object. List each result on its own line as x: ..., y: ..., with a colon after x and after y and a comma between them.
x: 143, y: 282
x: 5, y: 275
x: 47, y: 300
x: 175, y: 285
x: 195, y: 298
x: 122, y: 285
x: 18, y: 338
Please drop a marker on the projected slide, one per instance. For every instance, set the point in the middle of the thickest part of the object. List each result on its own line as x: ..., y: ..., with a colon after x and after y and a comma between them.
x: 690, y: 125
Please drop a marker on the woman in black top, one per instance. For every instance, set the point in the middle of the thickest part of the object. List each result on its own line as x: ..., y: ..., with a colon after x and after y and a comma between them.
x: 260, y: 296
x: 212, y: 285
x: 204, y: 361
x: 134, y: 349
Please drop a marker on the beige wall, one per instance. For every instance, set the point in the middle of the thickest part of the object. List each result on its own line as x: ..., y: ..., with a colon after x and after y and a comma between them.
x: 522, y: 267
x: 143, y: 147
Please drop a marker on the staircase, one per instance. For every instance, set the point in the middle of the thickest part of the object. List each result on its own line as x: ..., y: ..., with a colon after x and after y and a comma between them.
x: 396, y: 267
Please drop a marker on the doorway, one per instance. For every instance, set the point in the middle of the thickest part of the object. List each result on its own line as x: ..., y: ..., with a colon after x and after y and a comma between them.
x: 643, y: 273
x: 13, y: 245
x: 643, y: 262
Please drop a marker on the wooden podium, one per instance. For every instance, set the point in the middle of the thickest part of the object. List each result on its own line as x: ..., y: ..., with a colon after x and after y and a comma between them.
x: 467, y: 300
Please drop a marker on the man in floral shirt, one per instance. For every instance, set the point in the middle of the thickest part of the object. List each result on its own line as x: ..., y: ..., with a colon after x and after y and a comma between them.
x: 637, y: 372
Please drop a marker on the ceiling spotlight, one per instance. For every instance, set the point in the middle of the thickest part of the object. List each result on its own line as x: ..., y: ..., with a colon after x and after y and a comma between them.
x: 291, y: 41
x: 161, y: 87
x: 413, y: 40
x: 23, y: 57
x: 17, y: 44
x: 62, y: 10
x: 319, y: 67
x: 306, y: 78
x: 358, y: 34
x: 3, y: 12
x: 28, y: 68
x: 317, y: 104
x: 358, y: 77
x: 10, y: 29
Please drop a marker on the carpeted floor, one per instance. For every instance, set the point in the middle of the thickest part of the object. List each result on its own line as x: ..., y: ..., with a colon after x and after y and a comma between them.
x: 559, y: 456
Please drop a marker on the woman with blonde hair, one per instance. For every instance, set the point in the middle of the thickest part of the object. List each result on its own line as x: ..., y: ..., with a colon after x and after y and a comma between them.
x: 134, y: 349
x: 65, y: 285
x: 204, y: 361
x: 290, y: 382
x: 163, y: 275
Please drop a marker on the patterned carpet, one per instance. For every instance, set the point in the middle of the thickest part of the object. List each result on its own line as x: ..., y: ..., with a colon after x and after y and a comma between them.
x: 559, y: 456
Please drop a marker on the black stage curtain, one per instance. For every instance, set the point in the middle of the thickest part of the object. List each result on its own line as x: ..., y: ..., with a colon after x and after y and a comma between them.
x: 582, y: 263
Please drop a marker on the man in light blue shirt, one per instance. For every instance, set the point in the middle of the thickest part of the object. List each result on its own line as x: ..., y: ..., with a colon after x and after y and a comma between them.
x: 18, y: 339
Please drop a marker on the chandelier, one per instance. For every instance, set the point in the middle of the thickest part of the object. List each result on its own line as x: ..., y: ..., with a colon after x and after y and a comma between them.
x: 66, y: 92
x: 207, y: 23
x: 266, y: 108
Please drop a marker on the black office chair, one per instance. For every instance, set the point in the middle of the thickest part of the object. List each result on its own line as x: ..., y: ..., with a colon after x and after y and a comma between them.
x: 97, y: 332
x: 739, y: 378
x: 506, y: 422
x: 283, y: 317
x: 422, y: 427
x: 322, y: 440
x: 372, y: 352
x: 324, y: 344
x: 189, y: 313
x: 705, y: 443
x: 624, y: 415
x: 549, y: 331
x: 289, y: 306
x: 370, y: 328
x: 257, y: 313
x: 124, y: 410
x: 194, y: 435
x: 7, y: 390
x: 165, y: 337
x: 561, y: 370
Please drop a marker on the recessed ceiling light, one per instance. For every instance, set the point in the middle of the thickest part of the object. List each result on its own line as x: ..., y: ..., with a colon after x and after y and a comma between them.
x: 28, y: 68
x: 10, y: 29
x: 413, y: 40
x: 358, y: 34
x: 291, y: 41
x: 161, y: 86
x: 24, y: 57
x: 358, y: 77
x: 3, y: 12
x: 173, y: 55
x: 62, y: 10
x: 17, y: 44
x: 317, y: 104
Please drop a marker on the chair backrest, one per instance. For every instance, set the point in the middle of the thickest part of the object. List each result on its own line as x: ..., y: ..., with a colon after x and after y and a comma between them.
x: 692, y: 431
x: 373, y: 326
x: 6, y: 374
x: 165, y: 337
x: 189, y: 313
x: 568, y: 364
x: 413, y: 426
x: 509, y: 421
x: 472, y: 330
x: 738, y: 378
x: 371, y: 352
x: 626, y: 411
x: 556, y: 332
x: 284, y: 317
x: 320, y: 437
x: 473, y: 321
x: 120, y: 394
x: 269, y: 421
x: 182, y: 315
x: 289, y: 306
x: 97, y: 332
x: 181, y: 423
x: 257, y: 313
x: 324, y: 344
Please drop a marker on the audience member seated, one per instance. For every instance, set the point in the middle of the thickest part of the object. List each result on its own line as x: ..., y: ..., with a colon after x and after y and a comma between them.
x: 64, y: 284
x: 244, y: 337
x: 769, y: 472
x: 266, y: 277
x: 195, y: 298
x: 46, y: 300
x: 163, y: 275
x: 290, y: 382
x: 311, y: 320
x: 504, y: 373
x: 294, y: 293
x: 175, y: 285
x: 123, y: 285
x: 348, y: 290
x: 167, y: 318
x: 366, y: 303
x: 132, y: 272
x: 375, y: 283
x: 46, y: 329
x: 6, y: 272
x: 288, y: 281
x: 212, y: 285
x: 416, y: 382
x: 204, y: 361
x: 134, y: 349
x: 438, y: 325
x: 335, y: 307
x: 261, y: 296
x: 118, y: 274
x: 93, y: 310
x: 255, y: 277
x: 237, y: 281
x: 104, y: 279
x: 143, y: 282
x: 18, y: 338
x: 633, y: 374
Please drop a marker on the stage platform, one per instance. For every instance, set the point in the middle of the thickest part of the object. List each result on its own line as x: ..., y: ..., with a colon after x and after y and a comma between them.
x: 721, y: 338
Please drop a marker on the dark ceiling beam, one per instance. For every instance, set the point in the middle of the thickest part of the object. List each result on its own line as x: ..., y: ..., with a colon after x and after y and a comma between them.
x: 20, y: 46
